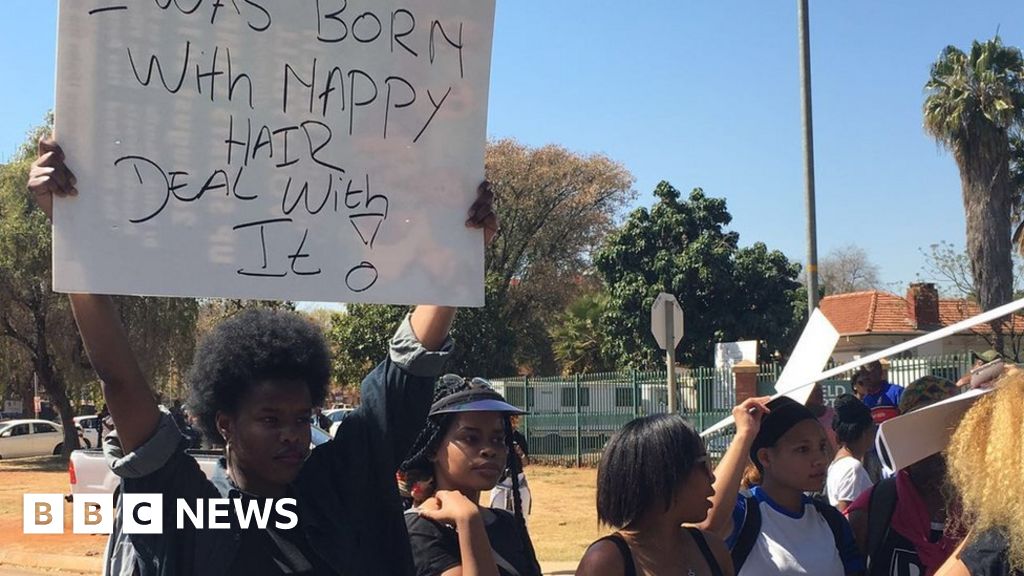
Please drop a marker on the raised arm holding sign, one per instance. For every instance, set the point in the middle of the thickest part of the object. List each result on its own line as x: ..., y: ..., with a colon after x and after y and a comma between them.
x: 253, y: 151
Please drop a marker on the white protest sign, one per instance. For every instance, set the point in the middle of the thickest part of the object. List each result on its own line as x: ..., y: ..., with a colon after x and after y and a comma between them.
x: 300, y: 149
x: 810, y: 356
x: 910, y: 438
x: 960, y: 326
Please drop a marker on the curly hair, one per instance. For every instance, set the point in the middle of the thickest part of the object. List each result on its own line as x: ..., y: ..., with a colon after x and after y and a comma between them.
x: 986, y: 458
x: 419, y: 464
x: 254, y: 345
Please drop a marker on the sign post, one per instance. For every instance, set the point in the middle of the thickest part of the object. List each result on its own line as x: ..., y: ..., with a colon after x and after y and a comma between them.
x: 667, y: 327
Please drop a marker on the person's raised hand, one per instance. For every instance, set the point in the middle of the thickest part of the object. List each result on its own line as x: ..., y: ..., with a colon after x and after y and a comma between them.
x: 749, y: 415
x: 481, y: 213
x: 449, y: 507
x: 50, y: 177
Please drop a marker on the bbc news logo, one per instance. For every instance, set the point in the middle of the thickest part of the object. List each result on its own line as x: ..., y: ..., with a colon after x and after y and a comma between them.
x: 144, y: 513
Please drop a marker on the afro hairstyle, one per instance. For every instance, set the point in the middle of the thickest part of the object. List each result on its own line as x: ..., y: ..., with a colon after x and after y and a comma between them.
x: 254, y: 345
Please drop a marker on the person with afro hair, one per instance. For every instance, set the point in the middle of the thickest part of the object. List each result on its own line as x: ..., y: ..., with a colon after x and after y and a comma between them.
x: 254, y: 383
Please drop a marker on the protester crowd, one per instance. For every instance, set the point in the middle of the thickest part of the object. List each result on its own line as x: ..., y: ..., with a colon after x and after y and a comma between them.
x: 800, y: 490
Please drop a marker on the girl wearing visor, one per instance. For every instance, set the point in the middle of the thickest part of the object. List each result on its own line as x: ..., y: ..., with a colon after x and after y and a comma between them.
x: 464, y: 450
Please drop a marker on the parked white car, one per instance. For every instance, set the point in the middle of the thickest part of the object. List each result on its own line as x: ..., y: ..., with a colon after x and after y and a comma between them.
x: 19, y: 438
x: 336, y: 415
x: 89, y: 428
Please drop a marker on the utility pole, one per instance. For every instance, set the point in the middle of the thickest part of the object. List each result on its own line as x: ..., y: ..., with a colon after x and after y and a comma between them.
x: 805, y: 82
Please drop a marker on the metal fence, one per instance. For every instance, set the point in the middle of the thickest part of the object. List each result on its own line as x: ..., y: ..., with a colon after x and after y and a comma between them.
x: 570, y: 418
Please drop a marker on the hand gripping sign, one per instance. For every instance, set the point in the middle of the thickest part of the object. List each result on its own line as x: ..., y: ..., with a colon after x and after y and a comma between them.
x: 319, y: 150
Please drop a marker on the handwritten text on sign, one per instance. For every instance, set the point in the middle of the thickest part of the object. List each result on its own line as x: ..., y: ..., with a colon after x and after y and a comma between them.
x: 298, y: 149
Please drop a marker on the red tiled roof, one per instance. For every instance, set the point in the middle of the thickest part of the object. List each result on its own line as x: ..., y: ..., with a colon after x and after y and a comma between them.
x: 873, y: 311
x: 953, y: 311
x: 882, y: 312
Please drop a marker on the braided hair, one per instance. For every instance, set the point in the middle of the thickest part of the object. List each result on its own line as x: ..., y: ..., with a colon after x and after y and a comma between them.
x: 418, y: 464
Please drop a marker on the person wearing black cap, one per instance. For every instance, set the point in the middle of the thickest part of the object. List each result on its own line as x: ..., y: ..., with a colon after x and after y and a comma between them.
x: 464, y: 449
x: 855, y: 433
x: 778, y: 529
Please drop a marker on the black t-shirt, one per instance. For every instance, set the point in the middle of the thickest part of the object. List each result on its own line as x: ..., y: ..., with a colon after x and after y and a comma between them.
x: 435, y: 546
x: 985, y: 555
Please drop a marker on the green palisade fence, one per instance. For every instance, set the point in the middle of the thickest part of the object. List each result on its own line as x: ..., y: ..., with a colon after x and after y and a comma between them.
x: 572, y: 417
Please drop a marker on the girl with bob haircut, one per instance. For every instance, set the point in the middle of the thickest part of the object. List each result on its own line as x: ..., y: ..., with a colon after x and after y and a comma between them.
x: 986, y: 460
x: 655, y: 476
x: 465, y: 449
x: 777, y: 528
x: 855, y: 434
x: 253, y: 385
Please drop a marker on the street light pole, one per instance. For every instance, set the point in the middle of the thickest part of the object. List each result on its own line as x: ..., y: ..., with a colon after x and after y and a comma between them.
x: 805, y: 82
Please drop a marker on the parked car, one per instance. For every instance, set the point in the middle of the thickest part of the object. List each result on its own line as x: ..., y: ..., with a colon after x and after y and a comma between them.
x: 89, y: 430
x: 336, y: 415
x: 89, y: 473
x: 19, y: 438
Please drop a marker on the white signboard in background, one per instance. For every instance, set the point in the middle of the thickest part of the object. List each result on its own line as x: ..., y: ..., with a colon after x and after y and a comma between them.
x: 728, y: 354
x: 306, y: 150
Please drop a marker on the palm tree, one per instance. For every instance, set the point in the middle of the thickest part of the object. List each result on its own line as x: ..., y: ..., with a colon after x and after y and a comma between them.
x: 974, y: 103
x: 578, y: 339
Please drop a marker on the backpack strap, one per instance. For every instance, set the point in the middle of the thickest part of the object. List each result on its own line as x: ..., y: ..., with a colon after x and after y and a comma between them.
x: 627, y: 556
x: 880, y: 508
x: 749, y: 532
x: 835, y: 520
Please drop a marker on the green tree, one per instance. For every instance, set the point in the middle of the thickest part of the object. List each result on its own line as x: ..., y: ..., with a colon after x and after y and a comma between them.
x: 727, y: 293
x: 359, y: 339
x: 579, y: 339
x: 974, y: 104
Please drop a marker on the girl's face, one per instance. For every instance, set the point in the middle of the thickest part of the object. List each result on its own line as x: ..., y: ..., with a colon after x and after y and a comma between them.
x: 692, y: 497
x: 800, y: 458
x: 473, y: 454
x: 269, y: 435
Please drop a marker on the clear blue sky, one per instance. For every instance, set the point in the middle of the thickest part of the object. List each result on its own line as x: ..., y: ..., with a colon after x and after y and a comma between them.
x: 700, y: 94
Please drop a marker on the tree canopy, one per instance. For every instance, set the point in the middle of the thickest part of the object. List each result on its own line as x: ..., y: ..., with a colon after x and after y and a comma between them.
x: 974, y: 105
x: 681, y: 246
